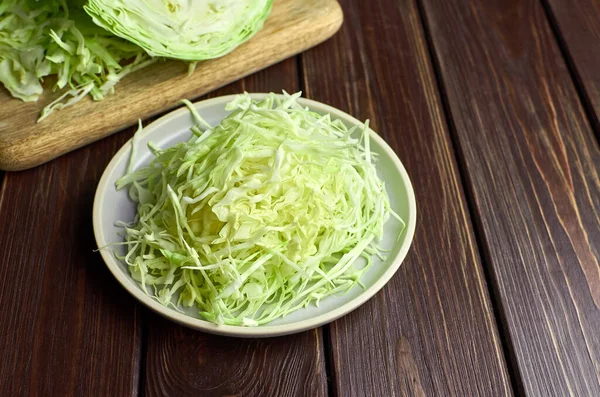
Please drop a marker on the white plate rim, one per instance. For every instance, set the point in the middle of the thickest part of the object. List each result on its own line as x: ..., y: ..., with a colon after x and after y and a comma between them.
x: 262, y: 330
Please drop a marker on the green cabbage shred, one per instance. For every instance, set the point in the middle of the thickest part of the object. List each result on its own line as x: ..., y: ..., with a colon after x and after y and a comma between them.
x: 39, y: 38
x: 88, y: 46
x: 262, y: 215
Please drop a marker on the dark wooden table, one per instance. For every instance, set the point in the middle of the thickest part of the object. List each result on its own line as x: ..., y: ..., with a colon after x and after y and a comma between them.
x: 493, y: 107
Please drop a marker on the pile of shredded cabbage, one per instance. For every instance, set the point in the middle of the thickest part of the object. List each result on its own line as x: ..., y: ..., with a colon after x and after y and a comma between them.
x: 39, y: 38
x: 255, y: 218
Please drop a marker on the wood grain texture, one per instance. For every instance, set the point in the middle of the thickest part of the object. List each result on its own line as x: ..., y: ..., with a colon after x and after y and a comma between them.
x: 292, y: 27
x: 532, y: 166
x: 66, y: 327
x: 184, y: 362
x: 578, y: 24
x: 431, y: 330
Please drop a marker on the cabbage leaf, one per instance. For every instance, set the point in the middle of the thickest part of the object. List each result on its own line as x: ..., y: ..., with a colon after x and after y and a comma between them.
x: 182, y: 29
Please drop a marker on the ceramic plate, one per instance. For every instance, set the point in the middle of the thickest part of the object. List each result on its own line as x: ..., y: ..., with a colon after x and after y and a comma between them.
x: 111, y: 206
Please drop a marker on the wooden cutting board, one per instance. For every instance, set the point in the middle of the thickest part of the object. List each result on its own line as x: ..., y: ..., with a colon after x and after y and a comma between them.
x: 292, y: 27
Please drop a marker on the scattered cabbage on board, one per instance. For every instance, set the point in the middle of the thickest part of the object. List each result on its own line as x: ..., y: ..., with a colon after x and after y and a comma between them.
x: 42, y: 38
x: 255, y: 218
x: 47, y: 37
x: 182, y: 29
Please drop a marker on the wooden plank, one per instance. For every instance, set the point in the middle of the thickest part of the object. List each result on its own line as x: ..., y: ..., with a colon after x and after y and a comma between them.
x: 184, y: 362
x: 532, y: 166
x: 578, y: 24
x: 431, y: 331
x: 292, y: 27
x: 66, y: 326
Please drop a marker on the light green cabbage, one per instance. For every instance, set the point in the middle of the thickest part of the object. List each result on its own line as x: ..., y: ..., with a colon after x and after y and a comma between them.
x: 47, y: 37
x: 182, y: 29
x: 257, y: 217
x: 40, y: 38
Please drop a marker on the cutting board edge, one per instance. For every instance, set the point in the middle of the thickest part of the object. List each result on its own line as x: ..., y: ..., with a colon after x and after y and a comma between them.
x: 31, y: 151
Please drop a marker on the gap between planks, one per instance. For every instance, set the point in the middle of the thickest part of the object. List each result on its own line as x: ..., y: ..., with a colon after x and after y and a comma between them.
x: 143, y: 353
x: 584, y: 98
x: 2, y: 186
x: 499, y: 316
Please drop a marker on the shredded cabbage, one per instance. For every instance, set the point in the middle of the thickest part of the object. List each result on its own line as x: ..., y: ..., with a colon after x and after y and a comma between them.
x: 189, y: 30
x: 91, y: 45
x: 255, y: 218
x: 39, y: 38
